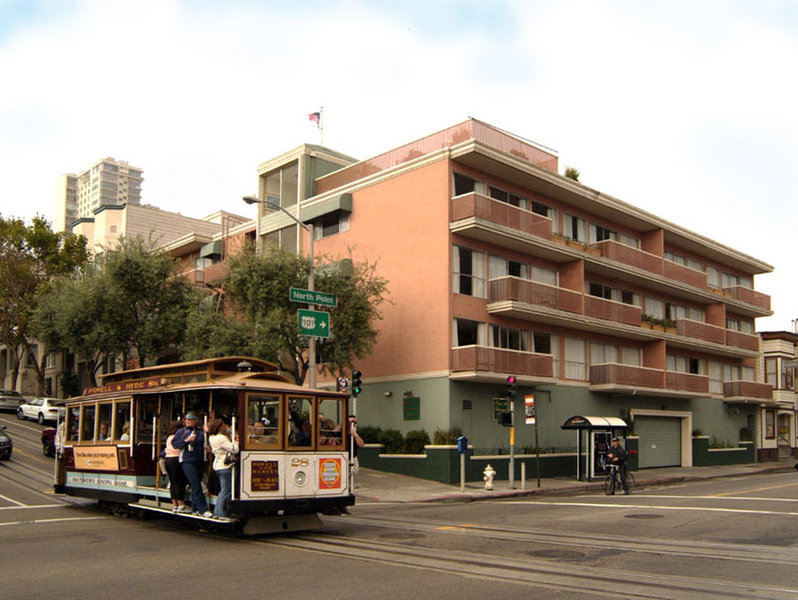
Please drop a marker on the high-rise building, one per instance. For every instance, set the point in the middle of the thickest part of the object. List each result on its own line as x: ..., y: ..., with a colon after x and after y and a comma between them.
x: 108, y: 182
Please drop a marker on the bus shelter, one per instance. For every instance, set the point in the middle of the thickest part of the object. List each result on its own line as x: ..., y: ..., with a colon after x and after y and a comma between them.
x: 593, y: 435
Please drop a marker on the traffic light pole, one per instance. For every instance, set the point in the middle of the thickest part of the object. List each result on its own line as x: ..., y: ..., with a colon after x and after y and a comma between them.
x: 512, y: 442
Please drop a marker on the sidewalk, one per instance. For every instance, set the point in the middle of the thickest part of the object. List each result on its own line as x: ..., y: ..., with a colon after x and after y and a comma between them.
x: 379, y: 486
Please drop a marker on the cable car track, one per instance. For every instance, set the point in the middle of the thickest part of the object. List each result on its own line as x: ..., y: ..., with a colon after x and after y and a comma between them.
x: 694, y: 548
x: 530, y: 572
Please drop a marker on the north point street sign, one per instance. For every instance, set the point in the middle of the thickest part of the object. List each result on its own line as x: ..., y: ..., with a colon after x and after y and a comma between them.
x: 313, y: 297
x: 314, y: 323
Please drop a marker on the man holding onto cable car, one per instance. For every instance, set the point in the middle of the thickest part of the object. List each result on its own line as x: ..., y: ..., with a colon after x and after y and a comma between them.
x: 191, y: 440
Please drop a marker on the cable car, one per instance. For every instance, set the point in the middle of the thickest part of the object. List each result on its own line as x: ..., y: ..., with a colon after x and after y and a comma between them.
x: 294, y: 453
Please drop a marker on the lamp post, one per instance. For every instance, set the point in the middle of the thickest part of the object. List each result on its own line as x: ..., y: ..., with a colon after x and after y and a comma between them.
x: 309, y: 229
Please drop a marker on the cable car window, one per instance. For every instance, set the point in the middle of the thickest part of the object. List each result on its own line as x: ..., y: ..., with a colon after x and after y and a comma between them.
x: 87, y: 423
x: 73, y: 424
x: 122, y: 421
x: 148, y: 408
x: 301, y: 420
x: 331, y: 419
x: 105, y: 414
x: 263, y: 421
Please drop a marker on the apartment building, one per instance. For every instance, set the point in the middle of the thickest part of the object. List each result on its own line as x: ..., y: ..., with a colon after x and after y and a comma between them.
x: 108, y: 182
x: 499, y: 266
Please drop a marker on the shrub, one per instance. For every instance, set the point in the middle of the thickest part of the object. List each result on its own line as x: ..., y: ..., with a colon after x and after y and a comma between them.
x: 447, y: 437
x: 415, y: 441
x: 370, y: 434
x: 720, y: 443
x: 393, y: 441
x: 698, y: 432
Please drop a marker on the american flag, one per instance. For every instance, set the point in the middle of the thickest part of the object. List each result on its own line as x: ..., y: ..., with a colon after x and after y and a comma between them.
x: 316, y: 118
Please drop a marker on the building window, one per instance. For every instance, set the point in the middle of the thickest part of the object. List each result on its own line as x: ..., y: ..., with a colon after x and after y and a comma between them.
x: 599, y: 233
x: 507, y: 197
x: 600, y: 290
x: 655, y: 308
x: 545, y: 211
x: 330, y: 224
x: 575, y: 363
x: 770, y: 424
x: 574, y: 228
x: 469, y: 272
x: 509, y: 338
x: 468, y: 333
x: 629, y: 297
x: 463, y: 184
x: 771, y: 372
x: 713, y: 278
x: 542, y: 343
x: 49, y: 360
x: 504, y: 267
x: 544, y: 275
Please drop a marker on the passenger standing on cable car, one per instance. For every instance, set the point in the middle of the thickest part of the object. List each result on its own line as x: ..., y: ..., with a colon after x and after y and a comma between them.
x: 191, y: 440
x: 224, y: 450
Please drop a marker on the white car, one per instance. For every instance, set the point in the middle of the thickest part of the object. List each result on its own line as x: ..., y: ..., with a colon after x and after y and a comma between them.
x: 40, y: 409
x: 10, y: 400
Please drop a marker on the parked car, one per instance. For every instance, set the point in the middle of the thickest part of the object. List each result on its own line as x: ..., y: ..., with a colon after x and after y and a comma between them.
x: 10, y: 400
x: 40, y: 409
x: 48, y: 441
x: 6, y: 445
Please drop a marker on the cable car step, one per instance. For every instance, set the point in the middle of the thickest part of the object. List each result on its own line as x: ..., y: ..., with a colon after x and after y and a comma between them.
x: 167, y: 510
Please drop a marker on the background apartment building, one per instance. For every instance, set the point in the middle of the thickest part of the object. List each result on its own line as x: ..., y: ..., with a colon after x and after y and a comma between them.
x: 499, y: 266
x: 108, y: 182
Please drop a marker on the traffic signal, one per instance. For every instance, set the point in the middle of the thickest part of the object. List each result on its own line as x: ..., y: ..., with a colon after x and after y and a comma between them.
x: 357, y: 383
x: 511, y: 386
x: 506, y: 419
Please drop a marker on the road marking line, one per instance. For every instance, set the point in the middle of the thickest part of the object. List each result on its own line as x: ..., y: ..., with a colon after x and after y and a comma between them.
x: 40, y: 521
x: 7, y: 499
x: 659, y: 507
x: 772, y: 487
x: 26, y: 506
x: 723, y: 497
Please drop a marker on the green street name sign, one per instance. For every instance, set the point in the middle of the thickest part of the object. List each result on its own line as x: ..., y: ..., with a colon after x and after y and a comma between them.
x: 314, y: 323
x: 312, y: 297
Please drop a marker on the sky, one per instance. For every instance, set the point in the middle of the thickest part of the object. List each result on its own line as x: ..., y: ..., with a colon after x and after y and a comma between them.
x: 686, y: 109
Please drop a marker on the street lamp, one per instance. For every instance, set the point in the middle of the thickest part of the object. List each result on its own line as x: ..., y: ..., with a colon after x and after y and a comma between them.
x: 308, y: 227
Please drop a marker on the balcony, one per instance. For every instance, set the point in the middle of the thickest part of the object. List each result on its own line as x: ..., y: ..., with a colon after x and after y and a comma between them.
x: 744, y: 294
x: 614, y: 374
x: 678, y: 272
x: 522, y: 290
x: 747, y: 389
x: 630, y: 256
x: 499, y: 360
x: 477, y: 206
x: 739, y: 339
x: 701, y: 331
x: 687, y: 382
x: 612, y: 311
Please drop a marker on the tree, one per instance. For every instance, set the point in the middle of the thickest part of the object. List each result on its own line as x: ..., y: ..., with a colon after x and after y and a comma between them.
x: 30, y: 256
x: 146, y: 302
x: 259, y: 310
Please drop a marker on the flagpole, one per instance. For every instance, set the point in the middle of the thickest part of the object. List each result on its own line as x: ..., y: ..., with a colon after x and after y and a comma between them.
x: 321, y: 126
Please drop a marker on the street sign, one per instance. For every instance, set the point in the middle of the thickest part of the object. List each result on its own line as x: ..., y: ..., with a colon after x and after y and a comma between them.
x: 314, y: 323
x: 313, y: 297
x: 529, y: 409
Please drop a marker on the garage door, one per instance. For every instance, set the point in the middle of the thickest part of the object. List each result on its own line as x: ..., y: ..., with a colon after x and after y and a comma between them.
x: 660, y: 441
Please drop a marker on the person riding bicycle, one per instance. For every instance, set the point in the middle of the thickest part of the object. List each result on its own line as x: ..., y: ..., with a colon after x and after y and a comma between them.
x: 617, y: 456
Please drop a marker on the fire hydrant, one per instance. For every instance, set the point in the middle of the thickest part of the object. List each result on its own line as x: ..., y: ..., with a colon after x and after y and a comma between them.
x: 487, y: 475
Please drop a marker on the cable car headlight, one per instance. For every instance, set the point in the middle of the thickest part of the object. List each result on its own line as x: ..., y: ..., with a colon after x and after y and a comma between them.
x: 300, y: 478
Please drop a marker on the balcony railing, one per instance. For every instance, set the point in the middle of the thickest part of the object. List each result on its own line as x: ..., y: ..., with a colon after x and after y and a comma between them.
x: 687, y: 382
x: 684, y: 274
x: 531, y: 292
x: 612, y: 310
x: 702, y: 331
x: 500, y: 360
x: 195, y: 276
x: 630, y: 256
x: 627, y: 375
x: 747, y: 389
x: 501, y: 213
x: 738, y: 339
x: 744, y: 294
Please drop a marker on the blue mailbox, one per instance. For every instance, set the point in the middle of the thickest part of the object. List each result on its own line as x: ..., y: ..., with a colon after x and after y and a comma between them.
x: 462, y: 444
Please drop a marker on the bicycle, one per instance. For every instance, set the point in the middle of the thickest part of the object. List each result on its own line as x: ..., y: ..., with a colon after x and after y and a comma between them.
x: 613, y: 481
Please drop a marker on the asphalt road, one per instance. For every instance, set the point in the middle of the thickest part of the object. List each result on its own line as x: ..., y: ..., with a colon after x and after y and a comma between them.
x: 725, y: 538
